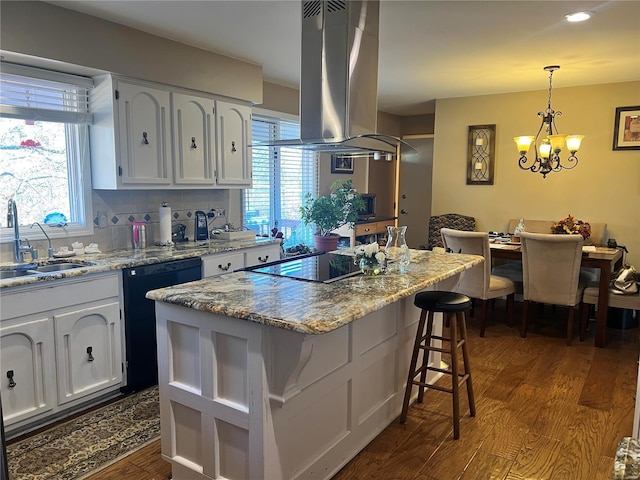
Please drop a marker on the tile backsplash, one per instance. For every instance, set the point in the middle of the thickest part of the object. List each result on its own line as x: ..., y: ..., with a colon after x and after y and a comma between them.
x: 120, y: 208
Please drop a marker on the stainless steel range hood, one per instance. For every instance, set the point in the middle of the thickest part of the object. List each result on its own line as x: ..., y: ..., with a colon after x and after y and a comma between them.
x: 339, y: 79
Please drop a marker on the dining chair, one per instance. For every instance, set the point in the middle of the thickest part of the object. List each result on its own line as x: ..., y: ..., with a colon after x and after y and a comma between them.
x: 478, y: 282
x: 590, y: 297
x: 448, y: 220
x: 551, y: 274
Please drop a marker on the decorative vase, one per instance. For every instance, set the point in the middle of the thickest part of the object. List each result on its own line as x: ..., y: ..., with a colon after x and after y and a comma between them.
x: 326, y: 243
x: 370, y: 268
x: 398, y: 256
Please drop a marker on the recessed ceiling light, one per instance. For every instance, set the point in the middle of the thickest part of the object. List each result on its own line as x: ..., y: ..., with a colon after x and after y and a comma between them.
x: 578, y: 16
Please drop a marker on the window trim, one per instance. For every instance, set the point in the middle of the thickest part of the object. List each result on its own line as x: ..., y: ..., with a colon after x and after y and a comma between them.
x: 80, y: 191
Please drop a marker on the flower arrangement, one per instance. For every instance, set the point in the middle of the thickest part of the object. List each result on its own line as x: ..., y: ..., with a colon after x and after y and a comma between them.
x: 570, y: 226
x: 370, y: 258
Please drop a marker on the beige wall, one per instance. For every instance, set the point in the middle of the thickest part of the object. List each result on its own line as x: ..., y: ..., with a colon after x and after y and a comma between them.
x: 604, y: 187
x: 42, y: 30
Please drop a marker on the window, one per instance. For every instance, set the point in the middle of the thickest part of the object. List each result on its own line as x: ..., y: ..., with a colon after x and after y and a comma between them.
x: 281, y: 178
x: 44, y: 149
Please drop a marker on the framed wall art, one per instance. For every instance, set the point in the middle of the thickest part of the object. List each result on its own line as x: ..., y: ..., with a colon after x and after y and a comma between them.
x: 481, y: 154
x: 341, y: 164
x: 626, y: 128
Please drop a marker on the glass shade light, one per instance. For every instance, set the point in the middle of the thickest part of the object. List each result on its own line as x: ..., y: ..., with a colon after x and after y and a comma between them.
x: 573, y: 142
x: 557, y: 142
x: 545, y: 148
x: 549, y: 145
x: 523, y: 143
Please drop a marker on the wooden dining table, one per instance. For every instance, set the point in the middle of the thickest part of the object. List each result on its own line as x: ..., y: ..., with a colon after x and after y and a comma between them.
x: 605, y: 259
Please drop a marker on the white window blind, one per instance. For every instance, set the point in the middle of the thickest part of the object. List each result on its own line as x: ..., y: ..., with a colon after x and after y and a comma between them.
x: 43, y: 95
x: 281, y: 178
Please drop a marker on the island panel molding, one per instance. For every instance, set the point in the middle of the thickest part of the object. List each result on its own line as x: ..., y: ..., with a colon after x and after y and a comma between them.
x: 270, y: 377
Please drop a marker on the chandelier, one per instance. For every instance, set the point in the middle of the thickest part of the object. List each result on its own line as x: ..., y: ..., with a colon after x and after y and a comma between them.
x: 547, y: 150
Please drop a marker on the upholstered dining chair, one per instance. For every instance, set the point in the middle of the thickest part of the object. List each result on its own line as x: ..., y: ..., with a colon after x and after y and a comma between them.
x: 478, y: 282
x: 590, y: 297
x: 448, y: 220
x: 551, y: 274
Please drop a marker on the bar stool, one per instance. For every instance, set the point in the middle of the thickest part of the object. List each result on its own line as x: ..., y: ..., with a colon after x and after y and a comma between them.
x: 453, y: 306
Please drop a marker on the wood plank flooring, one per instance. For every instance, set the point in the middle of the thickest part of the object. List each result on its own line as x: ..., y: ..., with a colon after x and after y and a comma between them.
x: 544, y: 411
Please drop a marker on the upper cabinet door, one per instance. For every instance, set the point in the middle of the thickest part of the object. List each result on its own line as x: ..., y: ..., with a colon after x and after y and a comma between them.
x: 143, y: 133
x: 193, y: 134
x: 233, y: 128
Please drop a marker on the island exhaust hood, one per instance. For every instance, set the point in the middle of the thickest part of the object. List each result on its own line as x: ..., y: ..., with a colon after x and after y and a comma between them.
x: 339, y: 79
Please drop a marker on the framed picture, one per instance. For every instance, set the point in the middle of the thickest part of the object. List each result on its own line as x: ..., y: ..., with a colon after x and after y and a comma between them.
x: 626, y: 128
x: 481, y: 155
x: 341, y: 164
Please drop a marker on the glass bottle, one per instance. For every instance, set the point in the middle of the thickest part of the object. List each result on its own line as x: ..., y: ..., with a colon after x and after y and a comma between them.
x: 398, y: 255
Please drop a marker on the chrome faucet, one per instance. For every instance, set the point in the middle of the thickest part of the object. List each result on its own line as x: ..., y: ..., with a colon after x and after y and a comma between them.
x: 50, y: 249
x: 19, y: 249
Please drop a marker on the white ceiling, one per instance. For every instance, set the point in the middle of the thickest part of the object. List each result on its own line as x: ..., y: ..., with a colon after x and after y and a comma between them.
x: 428, y: 49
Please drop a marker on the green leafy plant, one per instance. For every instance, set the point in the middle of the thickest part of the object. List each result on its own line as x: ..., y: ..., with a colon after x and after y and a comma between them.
x: 335, y: 210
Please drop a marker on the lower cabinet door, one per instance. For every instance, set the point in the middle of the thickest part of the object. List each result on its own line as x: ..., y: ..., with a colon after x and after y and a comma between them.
x: 26, y: 361
x: 88, y: 354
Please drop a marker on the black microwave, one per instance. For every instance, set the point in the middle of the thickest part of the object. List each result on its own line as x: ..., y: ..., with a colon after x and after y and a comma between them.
x: 369, y: 209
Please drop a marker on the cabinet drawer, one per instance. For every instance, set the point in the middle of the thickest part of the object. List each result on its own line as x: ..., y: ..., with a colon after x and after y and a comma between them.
x: 381, y: 227
x: 365, y: 229
x: 371, y: 228
x: 257, y: 256
x: 213, y: 265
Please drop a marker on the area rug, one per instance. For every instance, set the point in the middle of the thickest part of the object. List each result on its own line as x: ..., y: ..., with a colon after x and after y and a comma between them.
x: 70, y: 450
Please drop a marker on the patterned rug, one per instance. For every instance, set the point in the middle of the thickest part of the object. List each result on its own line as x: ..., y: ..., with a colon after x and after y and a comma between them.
x: 71, y: 450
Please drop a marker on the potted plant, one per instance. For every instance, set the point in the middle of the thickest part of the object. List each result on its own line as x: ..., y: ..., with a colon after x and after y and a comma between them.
x: 339, y: 208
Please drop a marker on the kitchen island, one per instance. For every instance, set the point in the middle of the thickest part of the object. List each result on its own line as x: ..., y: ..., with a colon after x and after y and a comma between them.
x: 264, y: 377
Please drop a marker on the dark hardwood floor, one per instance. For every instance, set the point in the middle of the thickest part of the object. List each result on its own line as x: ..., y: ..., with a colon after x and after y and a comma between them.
x: 544, y: 411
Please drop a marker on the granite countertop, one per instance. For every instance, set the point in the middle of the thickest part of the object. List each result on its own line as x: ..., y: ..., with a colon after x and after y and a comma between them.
x: 627, y: 463
x: 118, y: 259
x: 309, y: 307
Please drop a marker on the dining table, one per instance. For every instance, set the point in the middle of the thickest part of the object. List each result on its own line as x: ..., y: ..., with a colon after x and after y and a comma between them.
x: 606, y: 260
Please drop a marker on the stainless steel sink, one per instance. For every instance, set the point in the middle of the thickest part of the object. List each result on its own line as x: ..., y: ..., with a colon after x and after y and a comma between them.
x: 49, y: 267
x: 56, y: 267
x: 15, y: 273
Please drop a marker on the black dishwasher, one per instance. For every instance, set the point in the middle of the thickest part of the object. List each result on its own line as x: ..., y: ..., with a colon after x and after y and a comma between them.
x: 140, y: 316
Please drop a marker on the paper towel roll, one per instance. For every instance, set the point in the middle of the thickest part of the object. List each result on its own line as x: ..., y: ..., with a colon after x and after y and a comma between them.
x: 165, y: 225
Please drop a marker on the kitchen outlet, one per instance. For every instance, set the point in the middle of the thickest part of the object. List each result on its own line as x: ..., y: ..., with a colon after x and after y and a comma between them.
x: 220, y: 213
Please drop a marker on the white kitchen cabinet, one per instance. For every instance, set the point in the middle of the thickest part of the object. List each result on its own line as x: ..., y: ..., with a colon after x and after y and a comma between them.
x: 193, y: 128
x: 27, y: 362
x: 130, y: 136
x: 257, y: 256
x: 88, y: 350
x: 221, y: 263
x: 151, y: 136
x: 45, y: 330
x: 233, y: 128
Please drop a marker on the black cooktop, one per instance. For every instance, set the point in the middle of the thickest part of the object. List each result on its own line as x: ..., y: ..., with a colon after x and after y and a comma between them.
x: 317, y: 267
